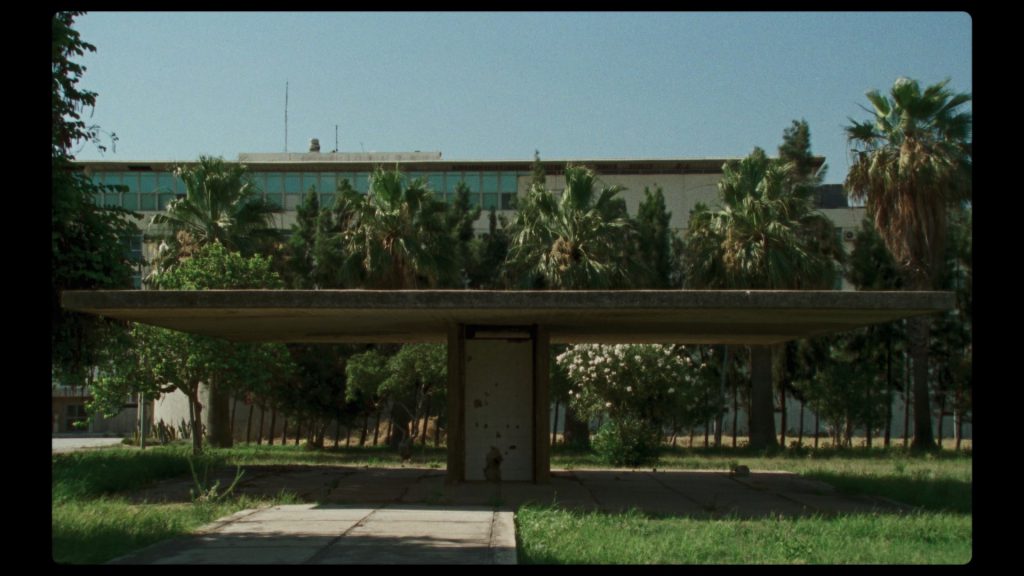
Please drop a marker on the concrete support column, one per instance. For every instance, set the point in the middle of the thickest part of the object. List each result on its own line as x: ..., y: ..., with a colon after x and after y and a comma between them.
x: 762, y: 409
x: 456, y: 432
x: 217, y: 415
x: 541, y: 406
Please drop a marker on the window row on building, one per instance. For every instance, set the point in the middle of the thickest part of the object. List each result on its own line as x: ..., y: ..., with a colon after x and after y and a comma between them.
x: 153, y: 191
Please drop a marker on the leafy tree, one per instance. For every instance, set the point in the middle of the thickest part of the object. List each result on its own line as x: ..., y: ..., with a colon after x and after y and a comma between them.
x: 317, y: 392
x: 410, y: 380
x: 951, y: 345
x: 365, y: 374
x: 460, y: 218
x: 641, y: 387
x: 843, y: 390
x: 538, y: 178
x: 221, y: 204
x: 655, y: 239
x: 159, y: 361
x: 911, y: 161
x: 796, y: 150
x: 490, y: 252
x: 88, y: 242
x: 871, y: 267
x: 764, y: 235
x: 417, y: 379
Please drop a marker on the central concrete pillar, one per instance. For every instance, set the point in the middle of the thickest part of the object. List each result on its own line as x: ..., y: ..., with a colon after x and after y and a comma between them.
x: 762, y: 405
x: 498, y: 404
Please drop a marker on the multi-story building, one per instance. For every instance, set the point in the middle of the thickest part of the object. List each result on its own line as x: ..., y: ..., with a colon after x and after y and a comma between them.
x: 284, y: 178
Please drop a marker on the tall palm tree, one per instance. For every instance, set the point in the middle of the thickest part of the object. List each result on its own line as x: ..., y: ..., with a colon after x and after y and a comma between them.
x: 911, y: 161
x: 576, y: 242
x: 579, y: 241
x: 398, y: 237
x: 764, y: 235
x: 221, y: 204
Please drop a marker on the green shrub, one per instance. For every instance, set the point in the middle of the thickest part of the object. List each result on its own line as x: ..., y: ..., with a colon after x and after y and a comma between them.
x: 628, y: 442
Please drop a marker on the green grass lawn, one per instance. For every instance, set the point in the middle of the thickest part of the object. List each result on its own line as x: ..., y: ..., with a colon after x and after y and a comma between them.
x: 93, y: 521
x: 940, y: 532
x: 553, y: 536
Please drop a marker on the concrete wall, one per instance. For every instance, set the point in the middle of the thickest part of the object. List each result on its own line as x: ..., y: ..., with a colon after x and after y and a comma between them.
x: 499, y: 407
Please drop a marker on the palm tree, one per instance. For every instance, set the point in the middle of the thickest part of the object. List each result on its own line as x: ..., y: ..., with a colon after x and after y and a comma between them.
x: 398, y: 236
x: 221, y: 204
x: 911, y: 161
x: 765, y: 235
x: 576, y: 242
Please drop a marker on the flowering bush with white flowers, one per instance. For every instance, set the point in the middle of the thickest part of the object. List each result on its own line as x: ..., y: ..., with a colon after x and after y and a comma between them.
x: 632, y: 383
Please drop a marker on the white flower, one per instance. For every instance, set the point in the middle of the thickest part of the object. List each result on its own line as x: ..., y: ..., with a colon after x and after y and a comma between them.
x: 703, y: 365
x: 607, y: 404
x: 577, y: 394
x: 671, y: 390
x: 629, y: 388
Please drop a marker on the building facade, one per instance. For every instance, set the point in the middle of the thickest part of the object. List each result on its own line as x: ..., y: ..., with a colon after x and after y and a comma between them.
x: 283, y: 179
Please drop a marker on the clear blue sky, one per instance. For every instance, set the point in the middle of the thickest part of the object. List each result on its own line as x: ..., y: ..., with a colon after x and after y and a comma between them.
x: 487, y: 86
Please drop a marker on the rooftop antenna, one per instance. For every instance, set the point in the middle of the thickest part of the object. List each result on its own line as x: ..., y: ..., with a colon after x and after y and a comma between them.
x: 335, y: 137
x: 286, y: 116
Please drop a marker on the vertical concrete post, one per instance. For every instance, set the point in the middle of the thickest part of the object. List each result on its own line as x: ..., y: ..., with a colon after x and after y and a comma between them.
x: 541, y: 405
x: 456, y: 392
x: 762, y: 410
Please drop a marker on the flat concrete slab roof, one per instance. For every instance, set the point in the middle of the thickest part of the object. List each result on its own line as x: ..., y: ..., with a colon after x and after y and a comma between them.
x: 621, y: 316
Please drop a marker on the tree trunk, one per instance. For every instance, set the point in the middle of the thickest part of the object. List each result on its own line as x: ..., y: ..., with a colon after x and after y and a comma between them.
x: 888, y: 388
x: 782, y: 422
x: 957, y: 424
x: 259, y: 435
x: 298, y: 431
x: 195, y: 414
x: 800, y: 430
x: 923, y: 439
x: 938, y: 428
x: 817, y: 429
x: 720, y: 414
x: 248, y: 423
x: 554, y: 426
x: 284, y: 431
x: 219, y: 416
x: 735, y: 411
x: 337, y: 432
x: 906, y: 399
x: 423, y: 430
x: 867, y: 420
x: 273, y: 426
x: 348, y: 436
x: 762, y: 407
x: 575, y: 432
x: 707, y: 430
x: 376, y: 427
x: 401, y: 422
x: 366, y: 428
x: 437, y: 429
x: 689, y: 442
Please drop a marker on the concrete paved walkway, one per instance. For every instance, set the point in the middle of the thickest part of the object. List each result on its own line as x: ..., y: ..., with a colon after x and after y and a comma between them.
x: 60, y: 444
x: 313, y: 534
x: 409, y: 515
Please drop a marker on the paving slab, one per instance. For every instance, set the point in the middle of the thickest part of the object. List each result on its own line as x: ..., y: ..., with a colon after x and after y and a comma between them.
x: 316, y: 534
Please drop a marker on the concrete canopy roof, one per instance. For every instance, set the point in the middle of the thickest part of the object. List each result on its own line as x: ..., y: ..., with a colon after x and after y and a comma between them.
x: 371, y: 316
